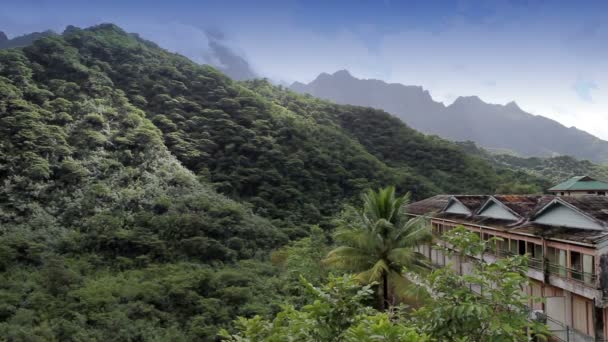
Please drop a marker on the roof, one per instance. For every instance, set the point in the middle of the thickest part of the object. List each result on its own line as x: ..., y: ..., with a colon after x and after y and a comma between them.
x: 529, y: 208
x: 594, y: 206
x: 438, y: 203
x: 562, y: 233
x: 580, y: 183
x: 430, y: 205
x: 472, y: 202
x: 523, y: 205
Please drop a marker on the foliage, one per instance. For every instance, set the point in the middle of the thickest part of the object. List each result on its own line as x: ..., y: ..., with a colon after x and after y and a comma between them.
x: 302, y: 258
x: 378, y: 242
x: 141, y: 194
x: 498, y: 313
x: 425, y: 165
x: 336, y: 312
x: 554, y: 170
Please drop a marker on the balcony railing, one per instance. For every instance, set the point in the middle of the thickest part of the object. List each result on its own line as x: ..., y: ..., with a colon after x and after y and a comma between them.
x: 534, y: 263
x: 571, y: 273
x: 565, y: 333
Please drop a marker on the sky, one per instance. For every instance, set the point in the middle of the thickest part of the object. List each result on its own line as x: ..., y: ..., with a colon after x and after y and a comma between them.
x: 550, y: 57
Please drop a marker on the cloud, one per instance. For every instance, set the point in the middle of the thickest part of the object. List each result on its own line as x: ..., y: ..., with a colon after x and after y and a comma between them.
x: 205, y: 46
x: 583, y: 89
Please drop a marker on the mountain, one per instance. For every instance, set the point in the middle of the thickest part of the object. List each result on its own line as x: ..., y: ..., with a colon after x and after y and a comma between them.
x: 220, y: 55
x: 142, y: 194
x: 23, y: 40
x: 496, y: 127
x: 228, y: 61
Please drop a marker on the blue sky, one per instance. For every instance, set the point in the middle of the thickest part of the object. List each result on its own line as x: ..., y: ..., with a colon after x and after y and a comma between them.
x: 551, y: 57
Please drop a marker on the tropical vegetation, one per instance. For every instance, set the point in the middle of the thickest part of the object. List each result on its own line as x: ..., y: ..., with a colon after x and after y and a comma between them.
x: 379, y: 241
x: 145, y: 197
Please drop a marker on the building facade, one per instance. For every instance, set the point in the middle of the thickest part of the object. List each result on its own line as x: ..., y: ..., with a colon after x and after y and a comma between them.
x: 580, y: 186
x: 565, y: 238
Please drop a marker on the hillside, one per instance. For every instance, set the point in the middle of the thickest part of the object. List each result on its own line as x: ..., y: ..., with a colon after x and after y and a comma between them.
x: 555, y: 169
x: 23, y: 40
x: 142, y: 193
x: 497, y: 127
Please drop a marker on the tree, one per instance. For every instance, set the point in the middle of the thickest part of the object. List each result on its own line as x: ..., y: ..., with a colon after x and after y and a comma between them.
x: 378, y: 241
x: 336, y: 312
x: 497, y: 312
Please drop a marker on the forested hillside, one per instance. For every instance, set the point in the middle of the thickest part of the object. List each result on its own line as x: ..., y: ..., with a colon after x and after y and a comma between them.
x: 555, y: 170
x: 141, y: 193
x: 24, y: 40
x: 493, y: 126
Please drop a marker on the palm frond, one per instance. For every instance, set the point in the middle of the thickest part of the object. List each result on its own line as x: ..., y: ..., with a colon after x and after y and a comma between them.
x: 349, y: 259
x: 374, y: 273
x: 358, y: 238
x: 414, y: 232
x: 408, y: 291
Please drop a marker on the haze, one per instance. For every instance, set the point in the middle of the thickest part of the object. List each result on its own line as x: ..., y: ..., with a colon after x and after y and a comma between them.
x: 549, y: 57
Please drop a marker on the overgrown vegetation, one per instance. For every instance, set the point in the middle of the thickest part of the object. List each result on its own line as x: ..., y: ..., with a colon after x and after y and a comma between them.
x: 485, y: 304
x: 379, y: 241
x: 143, y: 196
x: 554, y: 170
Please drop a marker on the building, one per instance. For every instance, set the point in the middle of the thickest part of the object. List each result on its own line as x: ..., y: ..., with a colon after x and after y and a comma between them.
x: 580, y: 185
x: 565, y: 237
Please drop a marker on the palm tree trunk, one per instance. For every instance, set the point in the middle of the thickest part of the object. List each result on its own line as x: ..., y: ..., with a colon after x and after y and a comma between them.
x: 385, y: 291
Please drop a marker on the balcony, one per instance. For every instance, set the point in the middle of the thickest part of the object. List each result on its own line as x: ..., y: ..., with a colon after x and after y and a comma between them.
x: 534, y: 263
x: 572, y: 274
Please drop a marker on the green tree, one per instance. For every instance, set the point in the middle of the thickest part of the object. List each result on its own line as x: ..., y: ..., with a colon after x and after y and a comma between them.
x: 336, y: 312
x: 497, y: 312
x: 378, y: 242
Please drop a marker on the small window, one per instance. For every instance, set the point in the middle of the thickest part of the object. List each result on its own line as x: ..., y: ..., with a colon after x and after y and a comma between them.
x: 590, y: 192
x: 557, y: 261
x: 601, y: 193
x: 538, y: 251
x: 563, y: 193
x: 514, y: 248
x: 522, y: 247
x: 576, y: 264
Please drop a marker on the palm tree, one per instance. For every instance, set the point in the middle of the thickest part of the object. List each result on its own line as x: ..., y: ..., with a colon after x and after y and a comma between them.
x: 378, y: 241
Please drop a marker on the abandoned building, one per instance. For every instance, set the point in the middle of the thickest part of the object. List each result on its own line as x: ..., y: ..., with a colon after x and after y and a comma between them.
x: 565, y: 238
x: 581, y: 185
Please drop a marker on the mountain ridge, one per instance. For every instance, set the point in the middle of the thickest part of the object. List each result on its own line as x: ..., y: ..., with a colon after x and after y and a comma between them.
x: 493, y: 126
x: 144, y: 193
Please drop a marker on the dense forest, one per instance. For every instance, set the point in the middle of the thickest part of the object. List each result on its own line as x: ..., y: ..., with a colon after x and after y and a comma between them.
x: 146, y: 197
x: 554, y: 169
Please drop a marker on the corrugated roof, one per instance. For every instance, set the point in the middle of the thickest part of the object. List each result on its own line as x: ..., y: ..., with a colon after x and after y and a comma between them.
x: 581, y: 183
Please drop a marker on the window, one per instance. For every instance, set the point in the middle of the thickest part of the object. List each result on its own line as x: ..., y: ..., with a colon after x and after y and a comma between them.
x: 514, y: 247
x: 521, y: 250
x: 588, y: 269
x: 576, y: 263
x: 502, y: 246
x: 582, y: 267
x: 601, y: 193
x: 534, y: 250
x: 538, y: 251
x: 590, y: 192
x: 557, y: 261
